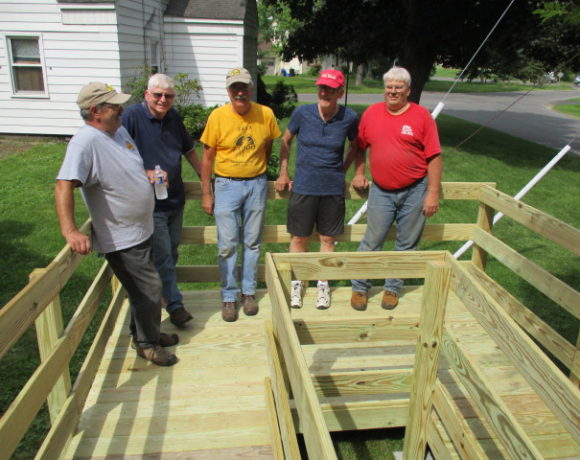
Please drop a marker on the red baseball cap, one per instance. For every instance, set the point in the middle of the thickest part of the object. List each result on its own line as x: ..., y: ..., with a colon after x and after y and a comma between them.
x: 331, y: 77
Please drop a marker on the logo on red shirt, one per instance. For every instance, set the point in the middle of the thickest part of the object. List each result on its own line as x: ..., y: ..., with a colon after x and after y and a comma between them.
x: 407, y: 130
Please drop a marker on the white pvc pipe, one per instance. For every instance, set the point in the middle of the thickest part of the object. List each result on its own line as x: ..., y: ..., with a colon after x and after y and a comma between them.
x: 437, y: 110
x: 521, y: 193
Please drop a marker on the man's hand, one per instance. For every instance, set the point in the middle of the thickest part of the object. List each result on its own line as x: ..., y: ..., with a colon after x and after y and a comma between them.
x: 151, y: 175
x: 283, y: 182
x: 431, y: 204
x: 360, y: 182
x: 78, y: 242
x: 207, y: 203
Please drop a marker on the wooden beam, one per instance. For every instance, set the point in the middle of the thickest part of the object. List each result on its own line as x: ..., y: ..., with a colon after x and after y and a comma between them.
x: 360, y: 330
x: 49, y: 328
x: 453, y: 420
x: 63, y: 428
x: 538, y: 277
x: 544, y: 377
x: 484, y: 223
x: 371, y: 382
x: 281, y: 397
x: 450, y: 190
x: 278, y: 233
x: 372, y: 265
x: 554, y: 229
x: 532, y: 323
x: 26, y: 405
x: 439, y: 441
x: 277, y: 448
x: 433, y: 304
x: 21, y: 311
x: 500, y: 418
x: 318, y: 442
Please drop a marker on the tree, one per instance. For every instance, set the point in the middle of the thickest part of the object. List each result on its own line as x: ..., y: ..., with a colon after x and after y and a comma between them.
x: 420, y: 33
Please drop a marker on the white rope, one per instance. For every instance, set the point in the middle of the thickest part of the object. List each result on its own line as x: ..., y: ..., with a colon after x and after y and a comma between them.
x: 521, y: 193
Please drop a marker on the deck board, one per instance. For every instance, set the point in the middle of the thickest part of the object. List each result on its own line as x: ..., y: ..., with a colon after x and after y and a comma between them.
x: 211, y: 405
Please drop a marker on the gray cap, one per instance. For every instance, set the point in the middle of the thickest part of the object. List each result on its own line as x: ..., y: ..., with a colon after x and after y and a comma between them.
x: 238, y: 75
x: 96, y: 93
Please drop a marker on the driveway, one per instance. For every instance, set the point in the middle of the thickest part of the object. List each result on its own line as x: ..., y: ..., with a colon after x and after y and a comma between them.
x: 530, y: 117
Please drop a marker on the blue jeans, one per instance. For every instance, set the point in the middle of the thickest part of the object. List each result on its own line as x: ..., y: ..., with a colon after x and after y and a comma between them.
x: 403, y: 206
x: 165, y: 241
x: 239, y: 215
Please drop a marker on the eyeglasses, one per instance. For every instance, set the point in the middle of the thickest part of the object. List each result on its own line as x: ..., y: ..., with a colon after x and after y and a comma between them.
x: 160, y: 95
x: 115, y: 107
x: 395, y: 88
x: 327, y: 89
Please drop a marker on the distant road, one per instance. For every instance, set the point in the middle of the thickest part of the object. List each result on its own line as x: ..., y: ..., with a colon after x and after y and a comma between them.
x: 530, y: 118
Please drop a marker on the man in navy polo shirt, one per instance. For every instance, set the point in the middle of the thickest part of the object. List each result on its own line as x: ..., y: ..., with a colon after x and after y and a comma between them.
x: 162, y: 139
x: 317, y: 192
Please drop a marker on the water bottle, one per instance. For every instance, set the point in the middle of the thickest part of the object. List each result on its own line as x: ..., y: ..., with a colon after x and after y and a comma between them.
x: 159, y: 184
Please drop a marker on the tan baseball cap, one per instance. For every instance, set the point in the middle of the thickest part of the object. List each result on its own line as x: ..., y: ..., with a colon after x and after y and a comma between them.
x: 238, y: 75
x: 95, y: 93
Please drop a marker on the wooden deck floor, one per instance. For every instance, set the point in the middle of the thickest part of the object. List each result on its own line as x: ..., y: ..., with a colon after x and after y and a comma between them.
x: 211, y: 405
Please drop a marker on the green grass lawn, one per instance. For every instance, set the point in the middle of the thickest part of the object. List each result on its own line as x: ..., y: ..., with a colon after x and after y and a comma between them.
x: 572, y: 107
x: 30, y: 238
x: 305, y: 84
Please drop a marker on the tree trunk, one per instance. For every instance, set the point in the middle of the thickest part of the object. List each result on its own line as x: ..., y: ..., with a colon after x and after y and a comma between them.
x: 360, y: 72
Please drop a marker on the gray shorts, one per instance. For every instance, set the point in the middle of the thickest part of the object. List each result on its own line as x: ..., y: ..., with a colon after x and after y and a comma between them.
x: 327, y: 212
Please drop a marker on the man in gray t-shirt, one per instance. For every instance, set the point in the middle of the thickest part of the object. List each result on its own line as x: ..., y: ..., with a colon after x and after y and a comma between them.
x: 103, y: 161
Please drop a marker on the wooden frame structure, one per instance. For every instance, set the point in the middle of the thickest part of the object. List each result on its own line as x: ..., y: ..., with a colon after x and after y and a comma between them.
x: 418, y: 396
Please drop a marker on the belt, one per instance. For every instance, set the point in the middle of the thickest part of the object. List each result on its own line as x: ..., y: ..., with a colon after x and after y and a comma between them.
x: 238, y: 178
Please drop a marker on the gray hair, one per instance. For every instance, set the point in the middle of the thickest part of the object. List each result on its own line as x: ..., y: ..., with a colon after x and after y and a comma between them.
x: 159, y: 80
x: 86, y: 113
x: 398, y: 73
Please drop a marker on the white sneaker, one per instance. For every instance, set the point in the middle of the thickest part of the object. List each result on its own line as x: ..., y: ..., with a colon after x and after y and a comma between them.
x: 322, y: 295
x: 296, y: 294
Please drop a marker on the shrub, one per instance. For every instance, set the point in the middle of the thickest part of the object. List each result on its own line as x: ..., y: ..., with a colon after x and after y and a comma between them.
x: 194, y: 118
x: 283, y: 100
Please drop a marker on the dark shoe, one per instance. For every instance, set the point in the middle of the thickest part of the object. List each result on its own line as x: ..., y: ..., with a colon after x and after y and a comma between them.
x: 180, y: 316
x: 249, y: 304
x: 390, y: 300
x: 157, y: 355
x: 168, y: 340
x: 359, y: 300
x: 229, y: 312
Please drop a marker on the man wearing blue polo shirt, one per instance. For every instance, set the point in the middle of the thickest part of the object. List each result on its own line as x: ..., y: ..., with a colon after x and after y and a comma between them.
x: 162, y: 139
x: 317, y: 192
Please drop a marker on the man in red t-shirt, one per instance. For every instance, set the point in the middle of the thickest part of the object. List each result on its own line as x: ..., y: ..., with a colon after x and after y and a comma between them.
x: 405, y: 164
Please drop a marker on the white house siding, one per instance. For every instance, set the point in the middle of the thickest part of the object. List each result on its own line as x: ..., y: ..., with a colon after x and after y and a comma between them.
x: 74, y: 54
x: 205, y: 50
x: 140, y: 23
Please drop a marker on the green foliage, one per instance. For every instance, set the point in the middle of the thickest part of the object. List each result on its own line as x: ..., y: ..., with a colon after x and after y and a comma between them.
x: 283, y: 99
x: 186, y: 89
x: 561, y: 9
x: 194, y: 118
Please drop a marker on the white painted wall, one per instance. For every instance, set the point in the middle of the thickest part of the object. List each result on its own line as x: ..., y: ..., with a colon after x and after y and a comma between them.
x: 83, y: 49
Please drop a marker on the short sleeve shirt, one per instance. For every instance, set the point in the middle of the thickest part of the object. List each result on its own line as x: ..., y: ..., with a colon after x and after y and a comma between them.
x: 319, y: 168
x: 160, y: 142
x: 240, y: 141
x: 114, y: 187
x: 400, y: 145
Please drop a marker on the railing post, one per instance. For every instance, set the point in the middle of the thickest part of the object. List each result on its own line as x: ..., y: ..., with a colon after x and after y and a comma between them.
x: 426, y: 359
x: 575, y: 377
x: 49, y: 328
x: 485, y: 222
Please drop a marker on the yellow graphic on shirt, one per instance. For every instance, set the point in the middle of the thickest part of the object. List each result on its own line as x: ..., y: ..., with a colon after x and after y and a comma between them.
x: 129, y: 145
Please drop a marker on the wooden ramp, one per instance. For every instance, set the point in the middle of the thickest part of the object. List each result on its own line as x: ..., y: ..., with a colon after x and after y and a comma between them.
x: 211, y: 405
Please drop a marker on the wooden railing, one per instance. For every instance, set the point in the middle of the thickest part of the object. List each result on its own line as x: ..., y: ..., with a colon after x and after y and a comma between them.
x: 38, y: 303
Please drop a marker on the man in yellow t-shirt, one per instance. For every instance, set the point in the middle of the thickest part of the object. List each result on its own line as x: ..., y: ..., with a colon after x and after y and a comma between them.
x: 237, y: 144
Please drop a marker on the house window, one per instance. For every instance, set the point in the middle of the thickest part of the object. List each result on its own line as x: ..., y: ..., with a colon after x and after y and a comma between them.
x: 26, y: 64
x: 153, y: 56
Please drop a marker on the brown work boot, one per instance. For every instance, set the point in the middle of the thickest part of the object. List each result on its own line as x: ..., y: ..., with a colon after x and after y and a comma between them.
x: 390, y: 300
x: 157, y: 355
x: 168, y: 340
x: 229, y: 312
x: 249, y: 304
x: 359, y: 300
x: 180, y: 316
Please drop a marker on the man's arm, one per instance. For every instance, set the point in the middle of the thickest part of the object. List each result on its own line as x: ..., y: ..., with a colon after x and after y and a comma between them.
x: 193, y: 160
x: 434, y: 172
x: 283, y: 180
x: 357, y: 154
x: 207, y: 160
x: 65, y: 205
